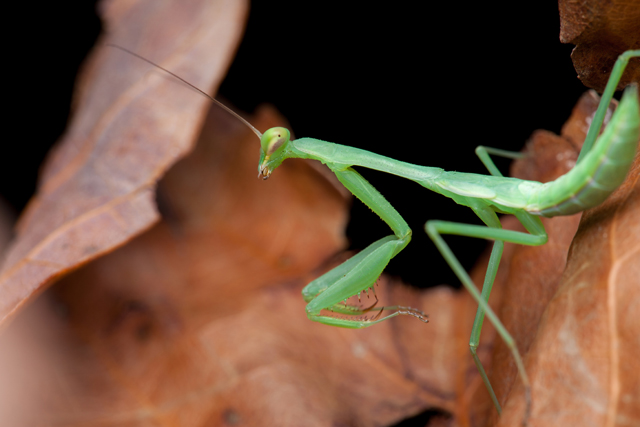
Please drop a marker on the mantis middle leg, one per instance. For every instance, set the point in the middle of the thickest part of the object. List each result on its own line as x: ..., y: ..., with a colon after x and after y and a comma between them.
x: 493, y: 231
x: 492, y: 268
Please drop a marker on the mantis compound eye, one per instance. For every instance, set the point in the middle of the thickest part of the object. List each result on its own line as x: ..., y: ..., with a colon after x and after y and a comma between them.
x: 274, y: 139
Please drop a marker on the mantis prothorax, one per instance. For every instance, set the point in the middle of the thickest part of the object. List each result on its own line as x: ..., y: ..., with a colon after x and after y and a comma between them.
x: 601, y: 168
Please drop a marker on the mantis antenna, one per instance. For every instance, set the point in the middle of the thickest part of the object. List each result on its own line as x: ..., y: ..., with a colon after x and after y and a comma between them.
x: 211, y: 98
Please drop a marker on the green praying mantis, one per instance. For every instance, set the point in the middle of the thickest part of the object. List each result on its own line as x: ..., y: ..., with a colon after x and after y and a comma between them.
x: 598, y: 172
x: 600, y: 169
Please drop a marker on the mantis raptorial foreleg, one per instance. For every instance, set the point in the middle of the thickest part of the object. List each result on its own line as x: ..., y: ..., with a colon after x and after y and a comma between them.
x: 361, y: 271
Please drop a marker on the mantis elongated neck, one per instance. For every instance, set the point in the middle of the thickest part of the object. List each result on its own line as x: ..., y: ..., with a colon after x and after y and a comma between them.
x: 335, y: 154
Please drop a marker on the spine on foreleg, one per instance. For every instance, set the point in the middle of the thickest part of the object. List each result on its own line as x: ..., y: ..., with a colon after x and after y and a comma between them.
x: 591, y: 181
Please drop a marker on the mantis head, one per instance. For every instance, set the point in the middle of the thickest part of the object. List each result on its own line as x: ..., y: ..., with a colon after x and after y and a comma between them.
x: 273, y: 150
x: 273, y: 143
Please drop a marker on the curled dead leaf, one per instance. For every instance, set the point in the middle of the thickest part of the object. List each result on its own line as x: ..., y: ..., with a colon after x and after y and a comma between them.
x: 583, y: 359
x: 601, y: 31
x: 97, y: 188
x: 199, y: 320
x: 566, y: 320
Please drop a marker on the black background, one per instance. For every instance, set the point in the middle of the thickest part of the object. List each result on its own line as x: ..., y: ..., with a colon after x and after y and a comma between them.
x: 420, y: 86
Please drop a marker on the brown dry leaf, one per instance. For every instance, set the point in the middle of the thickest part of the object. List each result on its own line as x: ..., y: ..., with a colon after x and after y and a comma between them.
x: 575, y: 327
x: 200, y: 321
x: 97, y: 188
x: 529, y: 277
x: 601, y: 31
x: 583, y: 362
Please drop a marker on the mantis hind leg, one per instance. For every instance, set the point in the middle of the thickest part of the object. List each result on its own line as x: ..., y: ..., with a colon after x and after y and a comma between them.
x: 493, y: 231
x: 483, y: 153
x: 605, y: 100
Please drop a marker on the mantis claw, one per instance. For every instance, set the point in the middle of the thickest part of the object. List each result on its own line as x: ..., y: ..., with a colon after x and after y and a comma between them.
x: 364, y: 310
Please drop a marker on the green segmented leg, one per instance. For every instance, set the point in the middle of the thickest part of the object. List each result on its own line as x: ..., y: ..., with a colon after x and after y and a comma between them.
x: 492, y: 269
x: 483, y: 153
x: 491, y: 220
x: 493, y: 231
x: 360, y: 272
x: 605, y: 100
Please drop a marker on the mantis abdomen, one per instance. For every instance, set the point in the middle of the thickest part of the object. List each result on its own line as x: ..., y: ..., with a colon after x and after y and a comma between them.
x: 601, y: 171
